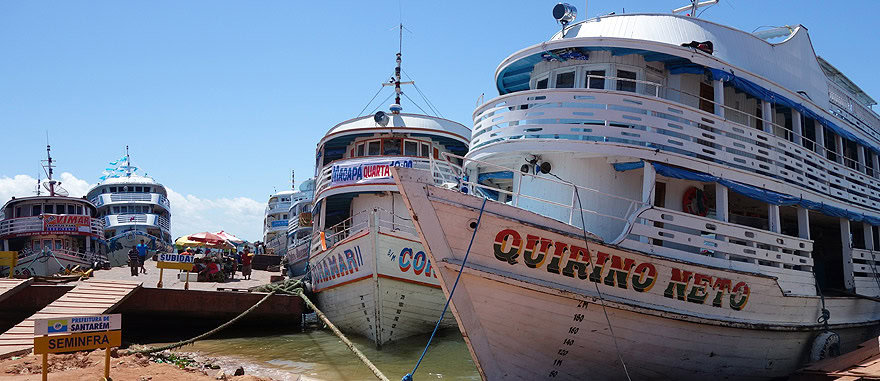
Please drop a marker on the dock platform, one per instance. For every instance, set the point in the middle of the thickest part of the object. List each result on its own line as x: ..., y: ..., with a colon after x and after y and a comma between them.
x: 9, y: 287
x: 91, y: 297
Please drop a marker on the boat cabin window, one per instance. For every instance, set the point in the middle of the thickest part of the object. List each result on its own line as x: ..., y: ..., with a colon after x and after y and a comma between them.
x: 112, y: 189
x: 411, y: 148
x: 79, y: 209
x: 71, y: 209
x: 360, y: 150
x: 594, y: 79
x: 565, y: 80
x: 623, y: 85
x: 48, y: 208
x: 17, y: 212
x: 542, y: 83
x: 36, y: 210
x: 373, y: 148
x: 391, y: 146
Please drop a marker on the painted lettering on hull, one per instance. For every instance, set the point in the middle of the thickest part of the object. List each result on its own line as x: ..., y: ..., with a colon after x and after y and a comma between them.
x: 418, y: 262
x: 337, y: 265
x: 612, y: 270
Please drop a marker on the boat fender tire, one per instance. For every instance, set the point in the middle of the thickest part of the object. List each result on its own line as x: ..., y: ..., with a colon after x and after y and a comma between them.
x: 695, y: 202
x: 825, y: 345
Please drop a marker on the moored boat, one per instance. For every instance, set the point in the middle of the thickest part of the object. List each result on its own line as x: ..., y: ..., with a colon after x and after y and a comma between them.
x: 663, y: 206
x: 51, y: 232
x: 299, y: 229
x: 134, y: 207
x: 367, y: 265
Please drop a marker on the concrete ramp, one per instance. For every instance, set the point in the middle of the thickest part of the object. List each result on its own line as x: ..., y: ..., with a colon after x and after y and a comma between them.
x: 91, y: 297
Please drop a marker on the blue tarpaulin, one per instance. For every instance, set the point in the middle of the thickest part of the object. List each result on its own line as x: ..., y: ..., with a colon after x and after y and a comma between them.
x: 759, y: 92
x: 753, y: 192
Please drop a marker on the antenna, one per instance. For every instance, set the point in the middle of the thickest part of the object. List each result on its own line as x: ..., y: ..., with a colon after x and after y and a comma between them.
x: 293, y: 179
x: 39, y: 191
x: 395, y: 79
x: 48, y: 167
x: 695, y: 4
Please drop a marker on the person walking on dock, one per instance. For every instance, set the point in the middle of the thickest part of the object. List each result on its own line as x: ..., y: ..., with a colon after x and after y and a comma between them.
x: 246, y: 263
x: 142, y: 255
x: 134, y: 261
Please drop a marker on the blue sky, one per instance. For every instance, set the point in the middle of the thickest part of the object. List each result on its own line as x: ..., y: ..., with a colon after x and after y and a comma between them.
x: 219, y: 100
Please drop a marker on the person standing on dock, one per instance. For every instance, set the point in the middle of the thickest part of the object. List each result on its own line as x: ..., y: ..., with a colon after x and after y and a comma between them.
x: 246, y: 263
x: 142, y: 255
x: 134, y: 261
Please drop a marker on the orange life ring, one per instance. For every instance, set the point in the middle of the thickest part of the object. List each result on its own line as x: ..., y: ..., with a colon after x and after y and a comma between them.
x: 694, y: 202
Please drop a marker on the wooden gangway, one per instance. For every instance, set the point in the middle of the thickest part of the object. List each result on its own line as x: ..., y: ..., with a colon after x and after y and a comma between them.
x: 8, y: 287
x: 90, y: 297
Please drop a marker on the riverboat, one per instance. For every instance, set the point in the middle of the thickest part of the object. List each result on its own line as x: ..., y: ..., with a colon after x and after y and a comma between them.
x: 134, y: 208
x: 668, y: 198
x: 369, y: 269
x: 299, y: 229
x: 275, y: 221
x: 51, y: 231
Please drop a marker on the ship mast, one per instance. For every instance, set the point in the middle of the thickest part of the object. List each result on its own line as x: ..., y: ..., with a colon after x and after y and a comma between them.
x: 48, y: 168
x: 127, y: 163
x: 395, y: 79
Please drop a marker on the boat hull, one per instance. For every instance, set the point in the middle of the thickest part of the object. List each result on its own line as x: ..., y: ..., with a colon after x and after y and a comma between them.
x: 384, y: 297
x: 47, y: 264
x: 534, y: 294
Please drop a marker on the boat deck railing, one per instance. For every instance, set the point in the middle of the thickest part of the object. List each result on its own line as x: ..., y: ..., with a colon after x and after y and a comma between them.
x: 448, y: 169
x: 671, y: 121
x: 385, y: 221
x: 661, y: 231
x: 24, y: 225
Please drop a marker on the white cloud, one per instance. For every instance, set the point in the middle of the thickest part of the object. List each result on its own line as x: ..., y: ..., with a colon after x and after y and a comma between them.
x: 240, y: 216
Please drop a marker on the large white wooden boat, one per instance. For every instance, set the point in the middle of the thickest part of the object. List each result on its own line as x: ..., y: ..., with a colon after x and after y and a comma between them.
x: 667, y: 193
x: 299, y: 229
x: 367, y: 265
x: 134, y: 207
x: 51, y: 231
x: 275, y: 222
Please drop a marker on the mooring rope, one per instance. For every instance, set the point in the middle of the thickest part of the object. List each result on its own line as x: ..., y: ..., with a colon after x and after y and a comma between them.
x: 342, y: 337
x: 409, y: 376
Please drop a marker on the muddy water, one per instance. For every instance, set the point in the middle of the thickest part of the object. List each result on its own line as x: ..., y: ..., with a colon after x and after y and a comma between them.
x: 321, y: 355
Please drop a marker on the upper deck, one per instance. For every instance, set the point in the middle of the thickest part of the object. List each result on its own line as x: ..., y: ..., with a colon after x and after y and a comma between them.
x: 45, y: 215
x: 354, y: 156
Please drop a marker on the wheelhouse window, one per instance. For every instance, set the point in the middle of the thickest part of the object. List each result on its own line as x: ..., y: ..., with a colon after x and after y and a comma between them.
x: 594, y: 79
x: 565, y: 80
x: 71, y: 209
x: 373, y: 148
x: 623, y: 84
x: 112, y: 189
x: 426, y: 150
x: 410, y: 148
x: 391, y: 146
x: 36, y: 210
x: 49, y: 209
x: 79, y: 209
x: 542, y: 83
x: 360, y: 150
